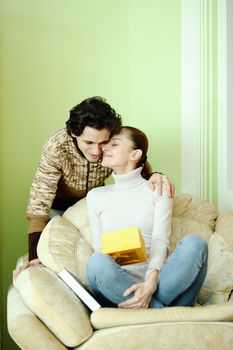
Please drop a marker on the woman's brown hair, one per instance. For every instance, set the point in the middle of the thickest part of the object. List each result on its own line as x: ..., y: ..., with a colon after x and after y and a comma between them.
x: 140, y: 141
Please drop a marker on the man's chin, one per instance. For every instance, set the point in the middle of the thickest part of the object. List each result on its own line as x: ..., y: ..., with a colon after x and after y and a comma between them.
x: 92, y: 159
x: 105, y: 164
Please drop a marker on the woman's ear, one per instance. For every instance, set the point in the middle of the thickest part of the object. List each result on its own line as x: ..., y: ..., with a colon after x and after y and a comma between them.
x: 136, y: 154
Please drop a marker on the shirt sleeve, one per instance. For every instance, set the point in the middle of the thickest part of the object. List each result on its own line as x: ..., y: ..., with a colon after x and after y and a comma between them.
x: 44, y: 186
x: 161, y: 232
x: 94, y: 221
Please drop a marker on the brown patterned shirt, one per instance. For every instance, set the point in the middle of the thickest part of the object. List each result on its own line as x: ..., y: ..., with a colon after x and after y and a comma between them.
x: 63, y: 176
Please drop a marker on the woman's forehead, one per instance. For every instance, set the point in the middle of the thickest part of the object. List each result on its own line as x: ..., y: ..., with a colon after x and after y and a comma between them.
x: 122, y: 135
x: 119, y: 137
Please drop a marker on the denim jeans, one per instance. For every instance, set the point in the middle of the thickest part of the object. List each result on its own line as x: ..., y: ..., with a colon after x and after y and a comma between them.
x: 55, y: 212
x: 180, y: 280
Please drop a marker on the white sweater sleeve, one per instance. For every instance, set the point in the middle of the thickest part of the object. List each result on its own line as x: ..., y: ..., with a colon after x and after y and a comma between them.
x: 161, y: 232
x: 94, y: 221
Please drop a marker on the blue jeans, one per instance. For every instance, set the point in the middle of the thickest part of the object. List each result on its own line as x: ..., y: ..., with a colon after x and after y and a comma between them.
x: 55, y: 212
x: 180, y: 281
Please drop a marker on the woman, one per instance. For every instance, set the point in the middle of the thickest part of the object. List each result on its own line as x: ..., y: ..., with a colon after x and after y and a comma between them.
x: 129, y: 202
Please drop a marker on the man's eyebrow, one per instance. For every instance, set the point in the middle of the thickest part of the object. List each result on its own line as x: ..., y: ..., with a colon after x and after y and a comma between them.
x: 86, y: 140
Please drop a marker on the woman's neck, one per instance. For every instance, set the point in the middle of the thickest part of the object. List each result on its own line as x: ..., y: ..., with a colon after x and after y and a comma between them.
x: 129, y: 179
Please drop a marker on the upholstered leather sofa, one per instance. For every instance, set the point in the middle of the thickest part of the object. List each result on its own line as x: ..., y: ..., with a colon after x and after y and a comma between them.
x: 43, y: 313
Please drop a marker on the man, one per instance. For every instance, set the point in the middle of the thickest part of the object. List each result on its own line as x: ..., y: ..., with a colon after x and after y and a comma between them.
x: 71, y: 165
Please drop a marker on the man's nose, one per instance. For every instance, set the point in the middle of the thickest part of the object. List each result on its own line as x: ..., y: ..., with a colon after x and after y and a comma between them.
x: 96, y: 150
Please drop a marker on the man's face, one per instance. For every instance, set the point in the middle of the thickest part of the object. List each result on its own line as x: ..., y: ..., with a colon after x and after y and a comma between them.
x: 91, y: 141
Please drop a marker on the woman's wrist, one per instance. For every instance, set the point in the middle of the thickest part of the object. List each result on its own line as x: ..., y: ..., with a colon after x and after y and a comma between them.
x: 152, y: 279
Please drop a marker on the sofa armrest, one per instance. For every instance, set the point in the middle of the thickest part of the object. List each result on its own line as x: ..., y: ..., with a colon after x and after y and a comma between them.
x: 22, y: 260
x: 62, y: 245
x: 55, y: 305
x: 25, y: 328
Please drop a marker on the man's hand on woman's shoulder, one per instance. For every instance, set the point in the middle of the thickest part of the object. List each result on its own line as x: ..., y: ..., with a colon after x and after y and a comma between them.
x: 157, y: 181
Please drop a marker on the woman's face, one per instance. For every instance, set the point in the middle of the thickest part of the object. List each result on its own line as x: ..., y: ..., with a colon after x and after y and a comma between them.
x: 117, y: 153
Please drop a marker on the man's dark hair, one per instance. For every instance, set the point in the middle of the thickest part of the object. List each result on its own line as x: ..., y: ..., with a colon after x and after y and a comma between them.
x: 96, y: 113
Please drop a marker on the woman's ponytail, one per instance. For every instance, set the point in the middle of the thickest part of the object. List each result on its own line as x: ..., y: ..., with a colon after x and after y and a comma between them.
x: 146, y: 170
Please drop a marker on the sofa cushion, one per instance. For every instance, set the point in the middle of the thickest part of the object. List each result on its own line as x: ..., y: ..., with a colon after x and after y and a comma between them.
x: 55, y: 305
x: 112, y: 317
x: 62, y: 245
x: 218, y: 284
x: 224, y: 227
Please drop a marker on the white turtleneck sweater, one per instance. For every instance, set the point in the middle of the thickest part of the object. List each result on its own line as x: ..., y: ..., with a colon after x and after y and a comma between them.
x: 130, y: 202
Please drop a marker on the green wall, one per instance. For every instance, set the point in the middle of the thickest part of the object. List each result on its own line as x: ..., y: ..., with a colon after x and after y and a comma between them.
x: 56, y: 53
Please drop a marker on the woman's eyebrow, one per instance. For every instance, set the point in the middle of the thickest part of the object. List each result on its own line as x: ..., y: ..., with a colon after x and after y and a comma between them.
x: 115, y: 138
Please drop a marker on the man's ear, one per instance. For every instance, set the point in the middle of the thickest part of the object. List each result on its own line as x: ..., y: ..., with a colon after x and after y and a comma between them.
x: 136, y: 154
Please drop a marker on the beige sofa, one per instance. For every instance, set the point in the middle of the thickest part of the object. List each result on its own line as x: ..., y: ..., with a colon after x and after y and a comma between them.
x: 43, y: 313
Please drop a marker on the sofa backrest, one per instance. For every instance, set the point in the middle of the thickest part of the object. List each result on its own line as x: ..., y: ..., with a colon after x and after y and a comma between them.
x: 192, y: 215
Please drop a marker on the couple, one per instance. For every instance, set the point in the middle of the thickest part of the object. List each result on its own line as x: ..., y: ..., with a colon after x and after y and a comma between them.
x: 163, y: 281
x: 72, y: 165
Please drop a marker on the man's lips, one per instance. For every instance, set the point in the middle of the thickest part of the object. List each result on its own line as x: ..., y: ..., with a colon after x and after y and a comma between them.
x: 94, y: 155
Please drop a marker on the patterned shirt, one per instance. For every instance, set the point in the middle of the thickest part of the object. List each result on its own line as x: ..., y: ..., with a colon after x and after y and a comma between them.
x: 64, y: 175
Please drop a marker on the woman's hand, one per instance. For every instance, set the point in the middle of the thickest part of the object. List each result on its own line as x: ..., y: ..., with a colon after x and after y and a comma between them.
x: 18, y: 270
x: 141, y: 299
x: 156, y: 182
x: 142, y: 293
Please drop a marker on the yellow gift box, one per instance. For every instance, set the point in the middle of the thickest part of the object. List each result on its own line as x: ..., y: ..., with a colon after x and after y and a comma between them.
x: 126, y: 245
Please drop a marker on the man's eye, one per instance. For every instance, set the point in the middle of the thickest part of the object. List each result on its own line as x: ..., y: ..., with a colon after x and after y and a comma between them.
x: 89, y: 142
